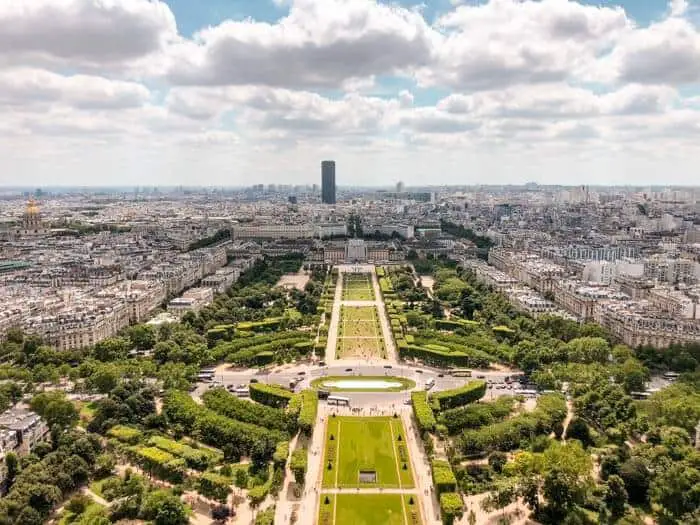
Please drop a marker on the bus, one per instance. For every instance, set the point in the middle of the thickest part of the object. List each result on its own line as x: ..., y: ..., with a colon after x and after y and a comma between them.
x: 671, y: 376
x: 205, y: 377
x: 339, y: 400
x: 242, y: 392
x: 460, y: 372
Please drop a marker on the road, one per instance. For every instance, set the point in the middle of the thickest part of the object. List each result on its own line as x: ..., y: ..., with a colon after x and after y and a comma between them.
x: 283, y: 375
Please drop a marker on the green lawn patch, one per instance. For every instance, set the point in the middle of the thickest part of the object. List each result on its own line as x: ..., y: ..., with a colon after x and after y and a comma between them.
x: 323, y: 383
x: 368, y: 509
x: 358, y: 287
x: 364, y: 452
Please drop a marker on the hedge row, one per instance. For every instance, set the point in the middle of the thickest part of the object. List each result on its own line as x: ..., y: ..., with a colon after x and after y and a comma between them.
x: 509, y: 434
x: 441, y: 358
x: 271, y: 395
x: 125, y: 434
x: 233, y: 437
x: 226, y: 404
x: 309, y: 409
x: 451, y: 326
x: 279, y: 458
x: 195, y: 458
x: 298, y: 464
x: 159, y: 463
x: 214, y: 486
x: 472, y: 391
x: 422, y: 411
x: 476, y: 415
x: 266, y: 325
x: 451, y: 507
x: 443, y: 477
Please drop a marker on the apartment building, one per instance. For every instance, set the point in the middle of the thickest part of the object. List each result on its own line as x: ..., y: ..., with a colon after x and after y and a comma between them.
x: 192, y: 300
x: 20, y: 431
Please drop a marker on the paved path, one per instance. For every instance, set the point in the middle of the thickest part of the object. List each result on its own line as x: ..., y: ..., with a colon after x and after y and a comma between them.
x: 335, y: 321
x: 286, y: 501
x: 312, y: 484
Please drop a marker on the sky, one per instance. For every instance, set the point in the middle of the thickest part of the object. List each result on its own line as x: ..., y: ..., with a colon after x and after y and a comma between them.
x: 240, y: 92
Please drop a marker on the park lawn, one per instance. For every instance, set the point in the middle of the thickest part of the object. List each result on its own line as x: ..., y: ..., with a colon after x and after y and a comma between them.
x: 358, y: 288
x: 401, y: 451
x: 366, y: 348
x: 365, y: 509
x: 406, y: 384
x: 358, y: 444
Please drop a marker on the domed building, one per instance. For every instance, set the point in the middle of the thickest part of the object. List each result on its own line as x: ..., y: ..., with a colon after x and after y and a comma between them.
x: 31, y: 220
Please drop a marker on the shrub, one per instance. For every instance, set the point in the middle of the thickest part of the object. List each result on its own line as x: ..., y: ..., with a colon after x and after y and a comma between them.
x: 472, y: 391
x: 476, y: 415
x: 299, y: 464
x: 198, y: 459
x: 443, y: 477
x: 309, y: 409
x: 281, y: 453
x: 422, y: 411
x: 270, y: 395
x: 125, y: 434
x: 451, y: 507
x: 214, y: 486
x: 226, y: 404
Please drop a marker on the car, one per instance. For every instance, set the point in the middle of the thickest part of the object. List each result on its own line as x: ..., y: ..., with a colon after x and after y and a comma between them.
x: 387, y: 366
x: 321, y: 363
x: 348, y: 369
x: 407, y: 402
x: 490, y: 385
x: 301, y: 373
x: 253, y: 380
x: 441, y: 375
x: 510, y: 387
x: 501, y: 387
x: 480, y: 376
x: 419, y: 371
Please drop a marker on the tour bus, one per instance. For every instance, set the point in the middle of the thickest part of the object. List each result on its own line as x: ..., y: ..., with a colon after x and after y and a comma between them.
x: 460, y: 372
x: 430, y: 383
x: 527, y: 392
x: 205, y: 377
x: 671, y: 376
x: 338, y: 400
x: 242, y: 391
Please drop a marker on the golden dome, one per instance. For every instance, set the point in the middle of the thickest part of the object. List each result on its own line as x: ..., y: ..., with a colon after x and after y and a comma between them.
x: 32, y: 208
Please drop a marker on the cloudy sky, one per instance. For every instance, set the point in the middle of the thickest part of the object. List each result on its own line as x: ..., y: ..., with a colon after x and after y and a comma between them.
x: 236, y: 92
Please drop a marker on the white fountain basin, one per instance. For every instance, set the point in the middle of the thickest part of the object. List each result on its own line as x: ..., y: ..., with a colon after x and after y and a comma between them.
x: 362, y: 384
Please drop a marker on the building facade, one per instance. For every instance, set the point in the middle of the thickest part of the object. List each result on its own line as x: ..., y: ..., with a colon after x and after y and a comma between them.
x: 328, y: 182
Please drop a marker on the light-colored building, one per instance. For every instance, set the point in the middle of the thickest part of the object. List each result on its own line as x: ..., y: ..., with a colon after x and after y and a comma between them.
x: 191, y: 301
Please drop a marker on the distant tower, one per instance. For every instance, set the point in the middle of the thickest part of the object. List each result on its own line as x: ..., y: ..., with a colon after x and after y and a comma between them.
x: 31, y: 220
x: 399, y: 187
x: 328, y: 182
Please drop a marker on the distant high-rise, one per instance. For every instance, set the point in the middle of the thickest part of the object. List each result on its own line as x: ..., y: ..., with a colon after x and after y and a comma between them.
x: 328, y: 182
x: 399, y: 187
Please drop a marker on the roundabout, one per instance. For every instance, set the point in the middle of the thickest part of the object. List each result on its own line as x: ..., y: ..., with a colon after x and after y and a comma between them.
x: 363, y: 383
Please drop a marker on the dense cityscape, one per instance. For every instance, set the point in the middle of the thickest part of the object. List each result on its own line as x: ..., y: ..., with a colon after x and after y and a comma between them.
x: 526, y: 353
x: 349, y: 262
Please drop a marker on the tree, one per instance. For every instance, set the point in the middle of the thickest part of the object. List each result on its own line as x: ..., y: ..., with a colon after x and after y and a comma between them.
x: 104, y: 379
x: 30, y: 516
x: 142, y: 336
x: 677, y: 489
x: 111, y: 349
x: 632, y: 375
x: 578, y: 429
x: 241, y: 478
x: 163, y: 508
x: 55, y: 409
x: 497, y: 461
x: 615, y: 496
x: 635, y: 475
x: 11, y: 468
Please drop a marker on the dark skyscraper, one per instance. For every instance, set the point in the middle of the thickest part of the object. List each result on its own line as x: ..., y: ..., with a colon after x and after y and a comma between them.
x: 328, y: 182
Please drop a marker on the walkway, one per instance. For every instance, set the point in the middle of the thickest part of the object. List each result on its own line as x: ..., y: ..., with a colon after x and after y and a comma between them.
x: 335, y: 321
x: 286, y: 501
x: 312, y: 484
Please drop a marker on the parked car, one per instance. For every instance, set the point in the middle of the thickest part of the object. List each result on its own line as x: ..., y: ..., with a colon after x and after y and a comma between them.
x: 441, y: 375
x: 253, y: 380
x: 480, y: 376
x: 387, y: 366
x: 348, y: 369
x: 301, y: 373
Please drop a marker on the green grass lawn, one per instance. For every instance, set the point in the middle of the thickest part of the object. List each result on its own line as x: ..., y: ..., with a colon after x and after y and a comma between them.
x: 368, y: 509
x: 360, y: 335
x: 365, y: 444
x: 406, y: 383
x: 357, y: 287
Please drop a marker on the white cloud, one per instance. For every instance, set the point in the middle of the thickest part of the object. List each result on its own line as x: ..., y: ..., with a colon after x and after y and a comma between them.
x: 509, y: 42
x: 24, y: 87
x: 321, y: 43
x: 83, y: 33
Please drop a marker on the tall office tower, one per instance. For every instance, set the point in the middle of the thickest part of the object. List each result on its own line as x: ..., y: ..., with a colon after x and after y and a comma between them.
x: 399, y: 187
x: 328, y: 182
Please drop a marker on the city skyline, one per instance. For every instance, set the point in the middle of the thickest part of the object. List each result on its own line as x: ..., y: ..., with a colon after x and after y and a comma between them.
x: 165, y: 93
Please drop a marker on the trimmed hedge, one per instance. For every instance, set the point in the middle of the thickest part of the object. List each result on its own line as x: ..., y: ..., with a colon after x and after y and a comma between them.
x: 472, y: 391
x: 233, y: 437
x: 270, y: 395
x: 226, y: 404
x: 279, y: 458
x: 451, y: 507
x: 511, y: 433
x: 214, y: 486
x: 309, y: 409
x: 443, y: 358
x: 298, y: 464
x: 266, y: 325
x: 422, y: 411
x: 195, y: 458
x: 266, y: 517
x: 476, y: 415
x: 125, y: 434
x: 159, y: 463
x: 443, y: 477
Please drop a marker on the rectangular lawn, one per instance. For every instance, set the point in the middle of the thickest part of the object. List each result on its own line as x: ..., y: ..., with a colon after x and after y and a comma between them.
x: 368, y: 509
x: 360, y: 335
x: 366, y: 444
x: 357, y: 287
